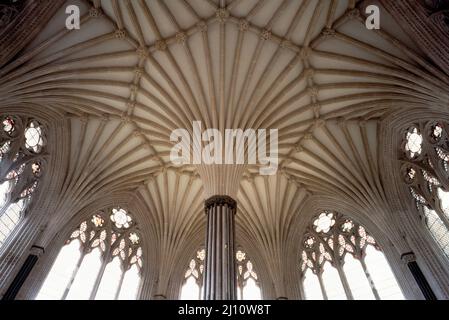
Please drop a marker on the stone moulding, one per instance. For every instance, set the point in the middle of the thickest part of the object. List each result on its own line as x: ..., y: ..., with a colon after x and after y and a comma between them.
x: 23, y: 26
x: 220, y: 201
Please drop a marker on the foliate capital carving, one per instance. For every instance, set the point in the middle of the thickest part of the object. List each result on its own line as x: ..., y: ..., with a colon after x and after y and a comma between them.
x: 37, y: 251
x: 408, y: 257
x: 220, y: 200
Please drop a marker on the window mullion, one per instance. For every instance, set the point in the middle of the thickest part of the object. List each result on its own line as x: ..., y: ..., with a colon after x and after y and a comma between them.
x: 105, y: 262
x: 119, y: 288
x: 323, y: 289
x: 241, y: 290
x: 99, y: 277
x: 200, y: 293
x: 72, y: 278
x: 370, y: 281
x: 106, y: 242
x: 339, y: 267
x: 344, y: 281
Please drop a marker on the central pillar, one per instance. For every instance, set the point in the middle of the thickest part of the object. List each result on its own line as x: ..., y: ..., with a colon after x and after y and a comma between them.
x: 220, y: 281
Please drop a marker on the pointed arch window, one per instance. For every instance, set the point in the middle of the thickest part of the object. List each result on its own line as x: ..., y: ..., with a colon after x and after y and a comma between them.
x: 101, y: 260
x: 425, y: 170
x: 192, y: 288
x: 22, y: 156
x: 340, y: 260
x: 247, y: 279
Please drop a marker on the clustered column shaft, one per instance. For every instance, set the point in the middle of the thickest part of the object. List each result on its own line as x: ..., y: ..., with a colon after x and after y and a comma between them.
x: 220, y: 281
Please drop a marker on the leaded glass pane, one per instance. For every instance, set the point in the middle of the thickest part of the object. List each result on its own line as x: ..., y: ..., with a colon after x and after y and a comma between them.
x: 335, y: 252
x: 424, y: 167
x: 107, y: 269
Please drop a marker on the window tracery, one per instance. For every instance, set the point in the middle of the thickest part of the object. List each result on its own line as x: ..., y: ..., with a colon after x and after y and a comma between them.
x: 102, y: 259
x: 247, y: 279
x: 192, y: 288
x: 425, y: 170
x: 22, y: 157
x: 341, y: 260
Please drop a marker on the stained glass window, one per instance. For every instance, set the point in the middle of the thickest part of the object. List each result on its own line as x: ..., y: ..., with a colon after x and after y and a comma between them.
x: 424, y: 159
x: 102, y: 260
x: 340, y: 260
x: 22, y: 141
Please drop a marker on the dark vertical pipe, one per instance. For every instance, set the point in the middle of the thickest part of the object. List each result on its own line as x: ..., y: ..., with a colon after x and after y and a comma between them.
x: 420, y: 279
x: 225, y: 248
x: 23, y: 273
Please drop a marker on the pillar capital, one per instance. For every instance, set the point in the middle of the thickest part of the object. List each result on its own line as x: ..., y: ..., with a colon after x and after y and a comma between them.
x: 37, y: 251
x: 220, y: 200
x: 408, y: 257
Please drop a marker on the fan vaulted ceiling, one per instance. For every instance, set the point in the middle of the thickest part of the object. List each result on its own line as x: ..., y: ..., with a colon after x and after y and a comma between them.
x: 136, y: 70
